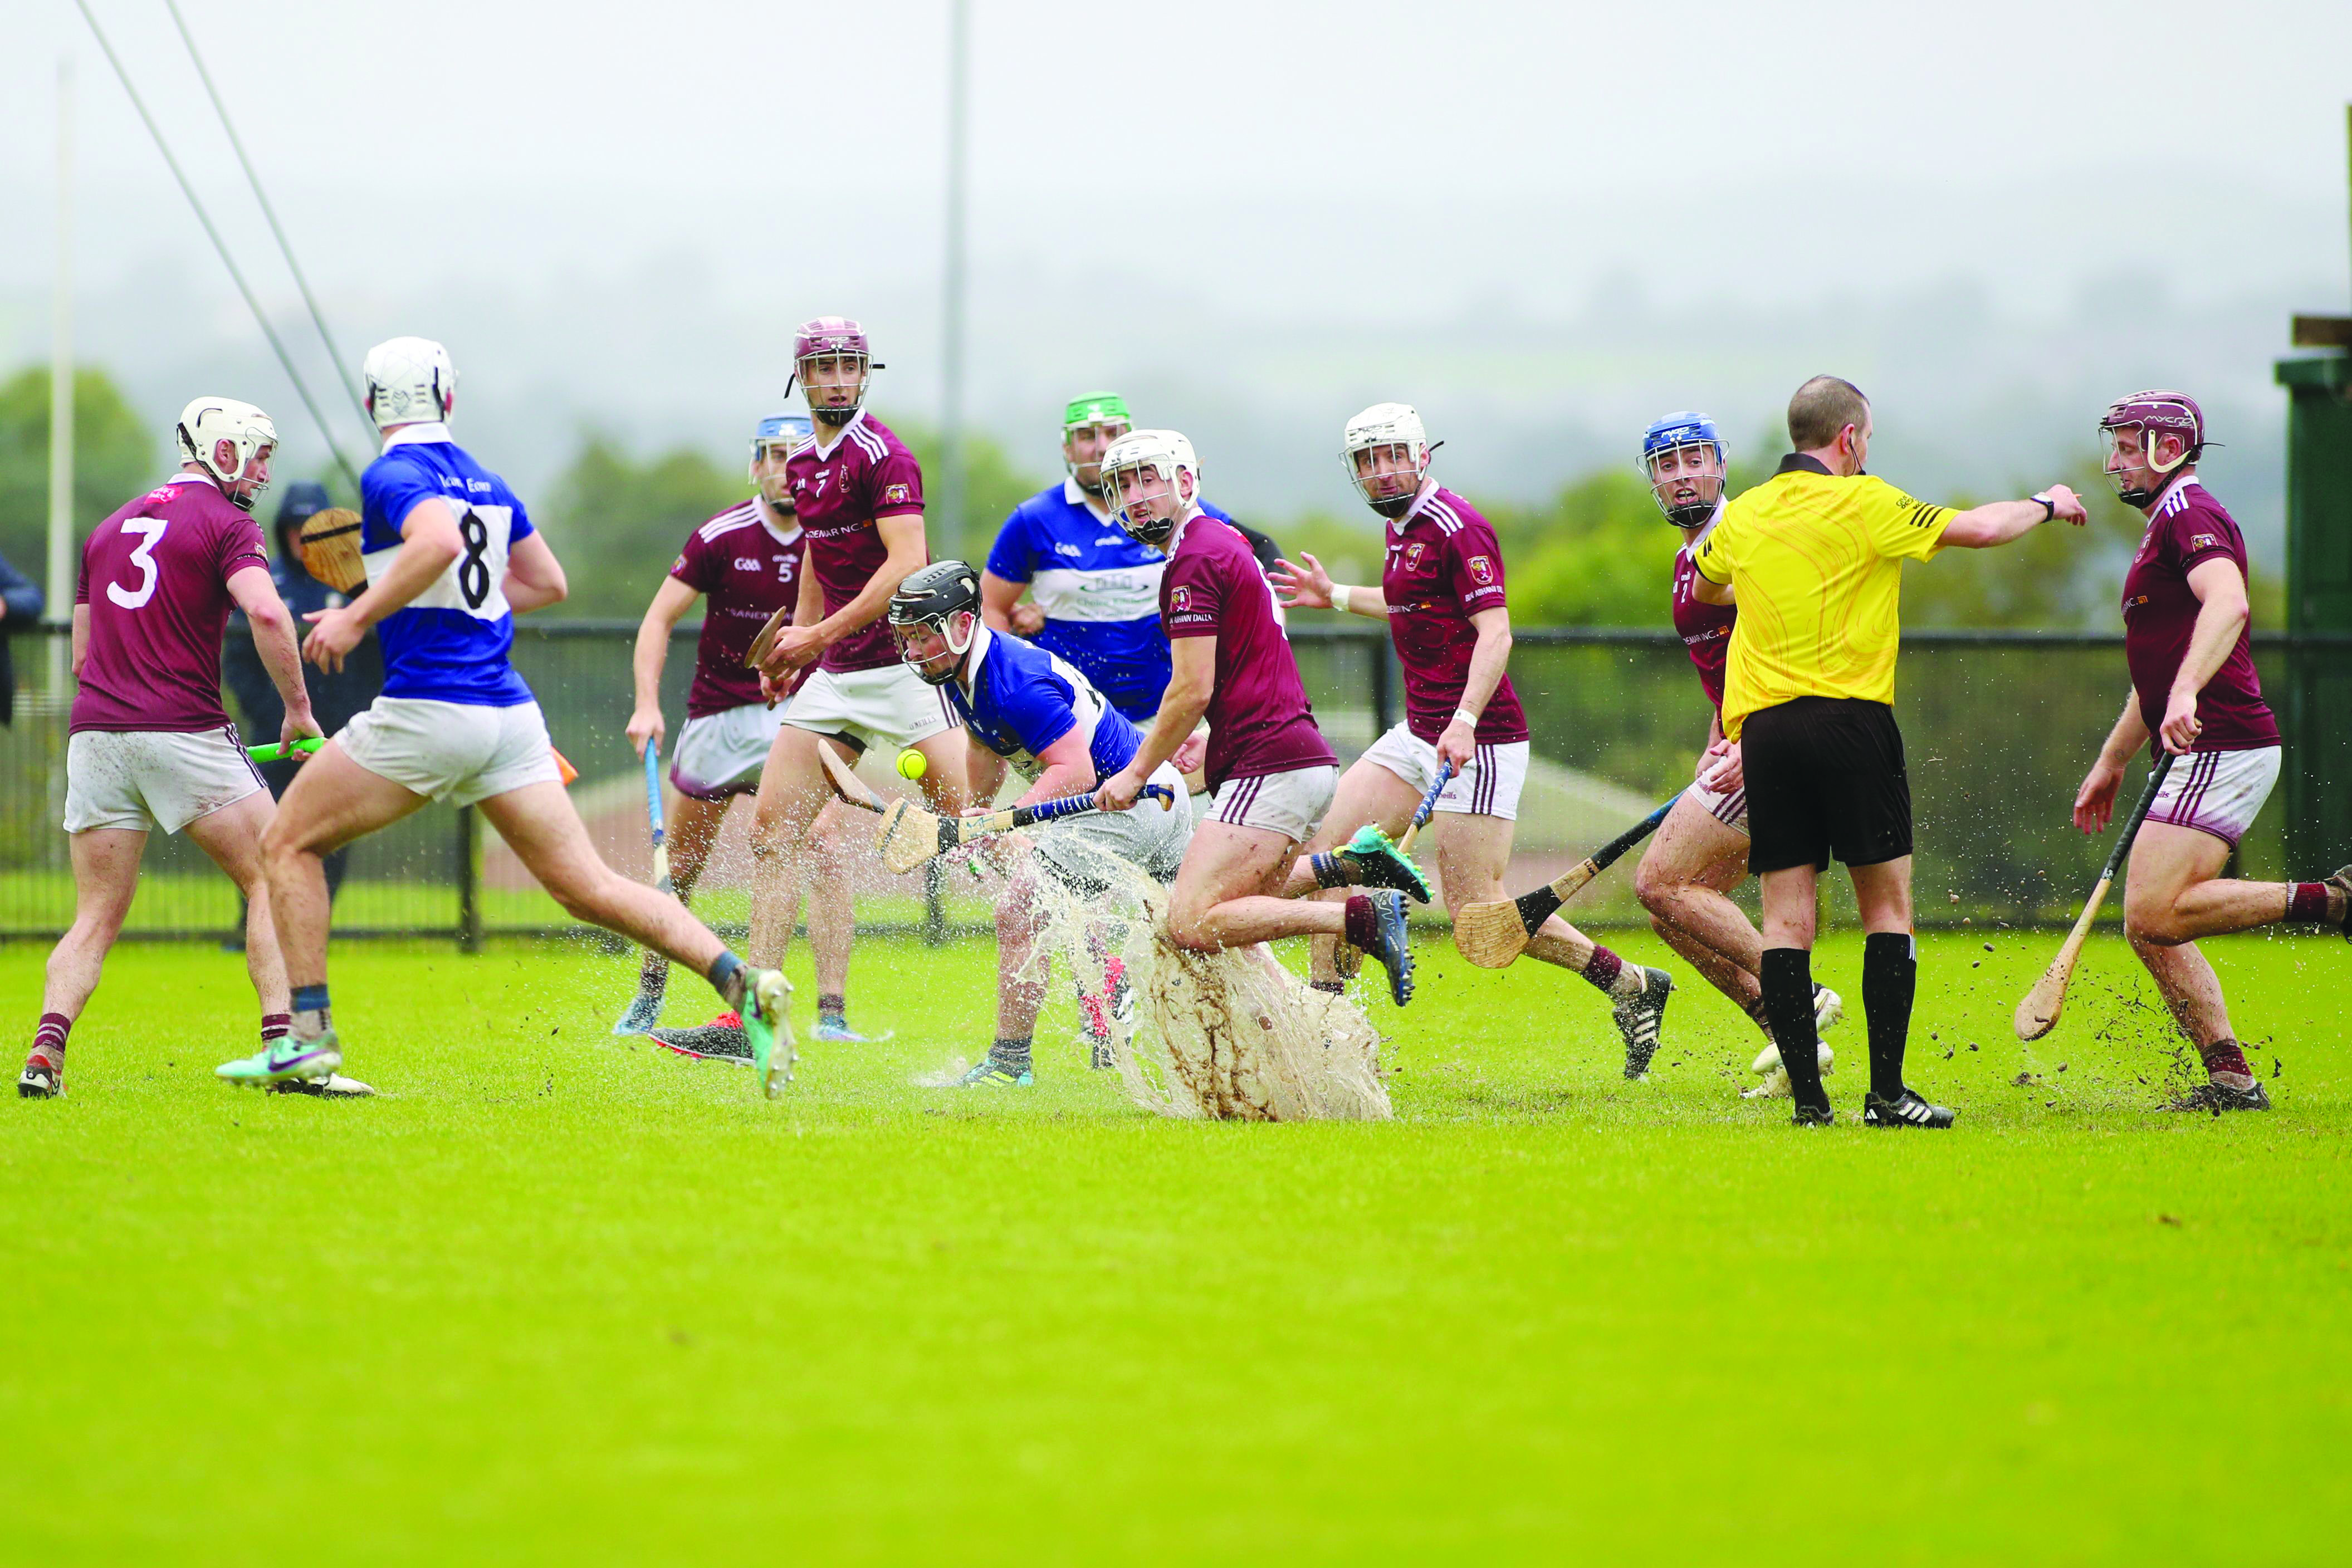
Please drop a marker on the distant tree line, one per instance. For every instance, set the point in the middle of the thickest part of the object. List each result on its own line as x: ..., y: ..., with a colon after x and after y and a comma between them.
x: 1597, y: 553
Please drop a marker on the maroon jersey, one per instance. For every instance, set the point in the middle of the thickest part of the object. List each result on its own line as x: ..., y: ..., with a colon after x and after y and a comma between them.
x: 1705, y: 629
x: 2188, y: 527
x: 746, y: 571
x: 842, y: 491
x: 155, y: 578
x: 1444, y: 566
x: 1260, y: 721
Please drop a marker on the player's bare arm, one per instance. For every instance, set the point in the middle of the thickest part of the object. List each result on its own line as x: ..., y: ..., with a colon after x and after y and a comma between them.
x: 2095, y: 803
x: 80, y: 638
x: 998, y: 600
x: 986, y: 771
x: 1999, y: 522
x: 1489, y: 658
x: 902, y: 538
x: 1069, y: 771
x: 2222, y: 614
x: 274, y: 640
x: 534, y: 577
x: 429, y: 543
x: 671, y: 601
x: 1309, y: 587
x: 1194, y: 679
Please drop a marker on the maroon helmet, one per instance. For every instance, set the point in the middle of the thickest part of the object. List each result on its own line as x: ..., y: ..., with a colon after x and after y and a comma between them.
x: 2157, y: 412
x: 827, y: 337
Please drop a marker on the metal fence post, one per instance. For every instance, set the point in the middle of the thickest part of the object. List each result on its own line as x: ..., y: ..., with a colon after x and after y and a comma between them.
x: 469, y: 880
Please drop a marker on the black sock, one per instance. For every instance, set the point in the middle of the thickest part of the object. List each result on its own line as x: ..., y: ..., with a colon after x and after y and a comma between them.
x: 1013, y: 1055
x: 731, y: 979
x: 1890, y: 975
x: 653, y: 976
x: 1788, y: 980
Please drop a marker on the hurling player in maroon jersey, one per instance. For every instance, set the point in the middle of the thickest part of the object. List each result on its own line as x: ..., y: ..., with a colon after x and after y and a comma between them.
x: 1441, y: 596
x: 859, y: 494
x: 1270, y: 772
x: 746, y: 564
x: 1701, y: 851
x: 2193, y: 688
x: 150, y: 745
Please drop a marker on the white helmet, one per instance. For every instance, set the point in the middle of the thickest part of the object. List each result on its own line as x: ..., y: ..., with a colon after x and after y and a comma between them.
x: 410, y: 380
x: 1165, y: 452
x: 209, y: 421
x: 1386, y: 424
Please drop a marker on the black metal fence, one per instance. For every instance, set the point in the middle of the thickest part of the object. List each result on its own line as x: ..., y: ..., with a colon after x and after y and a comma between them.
x: 1999, y: 727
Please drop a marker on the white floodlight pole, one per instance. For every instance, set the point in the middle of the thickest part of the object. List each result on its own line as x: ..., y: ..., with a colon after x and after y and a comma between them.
x: 61, y: 400
x: 951, y: 455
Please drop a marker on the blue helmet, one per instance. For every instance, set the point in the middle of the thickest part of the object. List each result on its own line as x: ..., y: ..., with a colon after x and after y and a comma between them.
x: 1671, y: 434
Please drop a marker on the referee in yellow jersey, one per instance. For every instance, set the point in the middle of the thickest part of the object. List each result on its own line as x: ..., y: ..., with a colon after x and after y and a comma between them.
x: 1814, y: 556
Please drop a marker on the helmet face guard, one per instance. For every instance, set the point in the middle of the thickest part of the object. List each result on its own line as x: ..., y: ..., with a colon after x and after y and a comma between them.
x: 829, y: 343
x: 1104, y: 412
x: 1143, y: 484
x: 2154, y: 414
x: 1685, y: 463
x: 941, y: 599
x: 210, y: 424
x: 1386, y: 453
x: 778, y: 437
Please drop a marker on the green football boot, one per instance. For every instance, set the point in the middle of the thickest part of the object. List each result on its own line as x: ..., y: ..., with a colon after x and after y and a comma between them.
x: 283, y: 1059
x: 1380, y: 864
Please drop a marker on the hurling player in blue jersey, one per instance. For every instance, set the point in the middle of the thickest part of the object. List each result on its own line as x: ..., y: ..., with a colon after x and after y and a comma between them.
x: 1031, y: 710
x: 1093, y: 591
x: 451, y: 555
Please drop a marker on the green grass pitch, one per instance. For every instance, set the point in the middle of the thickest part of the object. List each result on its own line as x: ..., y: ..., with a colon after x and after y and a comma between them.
x: 553, y: 1298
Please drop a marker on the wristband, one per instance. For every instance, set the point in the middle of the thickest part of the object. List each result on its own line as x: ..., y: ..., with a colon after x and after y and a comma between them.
x: 2048, y: 507
x: 1340, y: 594
x: 1464, y: 716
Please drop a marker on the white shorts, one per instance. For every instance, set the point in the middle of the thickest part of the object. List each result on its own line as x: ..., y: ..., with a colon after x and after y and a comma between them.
x: 720, y: 754
x: 1144, y: 836
x: 2216, y: 792
x: 1729, y: 808
x: 1291, y: 804
x: 1489, y: 787
x: 891, y: 707
x: 149, y: 778
x: 457, y: 752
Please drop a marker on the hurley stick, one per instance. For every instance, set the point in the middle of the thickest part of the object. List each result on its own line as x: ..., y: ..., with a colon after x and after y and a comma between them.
x: 909, y: 835
x: 1428, y: 806
x: 1491, y: 935
x: 276, y: 751
x: 662, y: 884
x: 2037, y: 1015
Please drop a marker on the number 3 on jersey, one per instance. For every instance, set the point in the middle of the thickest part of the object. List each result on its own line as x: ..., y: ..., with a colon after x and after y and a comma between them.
x: 151, y: 530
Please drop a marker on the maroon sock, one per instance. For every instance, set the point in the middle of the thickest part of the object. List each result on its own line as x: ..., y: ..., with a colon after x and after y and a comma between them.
x: 1604, y: 967
x: 275, y: 1026
x: 1363, y: 931
x: 2224, y: 1056
x: 2306, y: 902
x: 49, y: 1040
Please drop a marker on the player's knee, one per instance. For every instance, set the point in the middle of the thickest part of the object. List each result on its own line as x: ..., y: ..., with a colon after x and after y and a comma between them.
x: 1655, y: 886
x: 2153, y: 925
x: 1188, y: 931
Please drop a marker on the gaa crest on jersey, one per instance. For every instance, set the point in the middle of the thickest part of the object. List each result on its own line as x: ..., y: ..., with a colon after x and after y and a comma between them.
x: 677, y: 566
x: 1413, y: 555
x: 1179, y: 599
x: 2204, y: 541
x: 895, y: 495
x: 1482, y: 571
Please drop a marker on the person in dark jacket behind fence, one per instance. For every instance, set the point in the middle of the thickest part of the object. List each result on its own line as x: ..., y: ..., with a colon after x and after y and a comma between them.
x: 334, y: 698
x: 20, y: 610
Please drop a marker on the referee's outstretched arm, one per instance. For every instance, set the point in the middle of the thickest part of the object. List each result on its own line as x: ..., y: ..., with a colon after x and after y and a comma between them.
x: 1998, y: 522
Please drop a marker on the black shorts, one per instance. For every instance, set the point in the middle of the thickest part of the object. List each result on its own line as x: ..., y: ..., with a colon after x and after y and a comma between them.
x: 1825, y: 778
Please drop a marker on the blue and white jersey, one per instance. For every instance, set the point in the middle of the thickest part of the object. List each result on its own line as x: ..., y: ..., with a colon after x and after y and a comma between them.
x: 449, y: 643
x: 1022, y: 699
x: 1097, y: 588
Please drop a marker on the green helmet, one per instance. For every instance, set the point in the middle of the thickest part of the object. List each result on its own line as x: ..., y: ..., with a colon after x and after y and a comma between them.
x: 1096, y: 408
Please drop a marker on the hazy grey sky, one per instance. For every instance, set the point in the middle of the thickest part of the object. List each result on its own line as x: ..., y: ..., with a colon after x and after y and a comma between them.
x: 1530, y: 216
